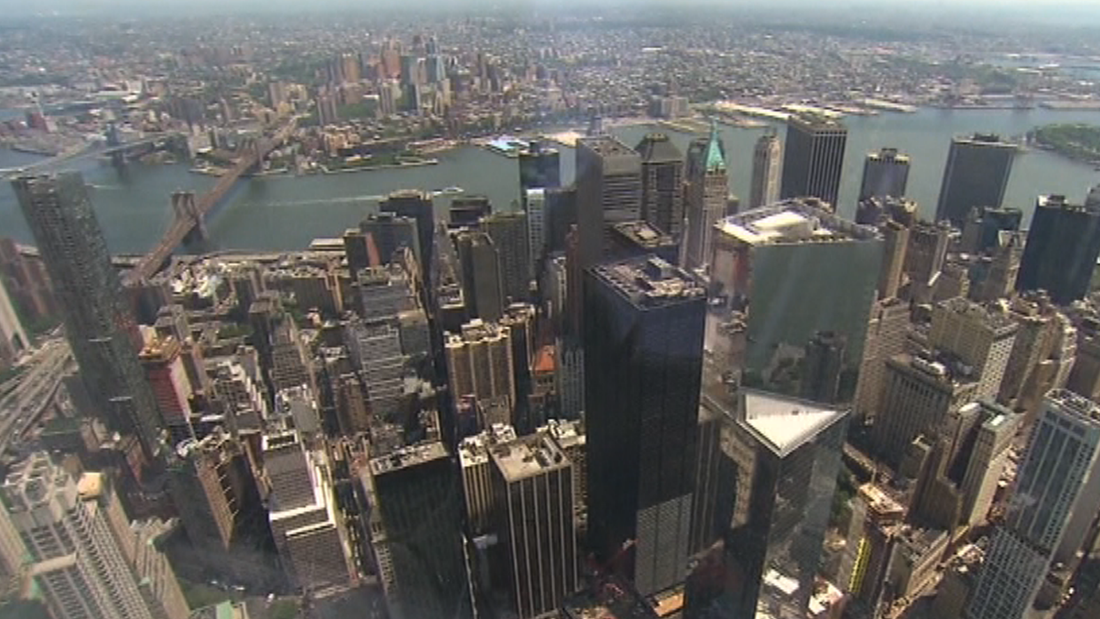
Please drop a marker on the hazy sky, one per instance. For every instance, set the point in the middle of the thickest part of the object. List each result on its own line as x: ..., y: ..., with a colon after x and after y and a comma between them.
x: 1048, y: 9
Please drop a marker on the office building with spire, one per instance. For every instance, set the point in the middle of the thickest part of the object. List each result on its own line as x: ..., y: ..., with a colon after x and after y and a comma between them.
x: 767, y: 166
x: 643, y: 350
x: 706, y: 192
x: 976, y: 176
x: 813, y: 158
x: 98, y: 324
x: 662, y: 183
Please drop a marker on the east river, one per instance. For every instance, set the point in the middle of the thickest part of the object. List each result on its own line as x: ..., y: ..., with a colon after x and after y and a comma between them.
x: 287, y: 212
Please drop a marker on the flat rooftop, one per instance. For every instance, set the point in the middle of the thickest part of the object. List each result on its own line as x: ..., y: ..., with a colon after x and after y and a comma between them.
x: 474, y: 450
x: 407, y: 457
x: 784, y: 423
x: 797, y: 220
x: 607, y: 146
x: 529, y: 456
x: 643, y: 234
x: 649, y: 281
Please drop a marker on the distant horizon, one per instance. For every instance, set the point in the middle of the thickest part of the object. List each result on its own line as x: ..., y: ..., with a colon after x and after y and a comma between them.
x: 1049, y: 11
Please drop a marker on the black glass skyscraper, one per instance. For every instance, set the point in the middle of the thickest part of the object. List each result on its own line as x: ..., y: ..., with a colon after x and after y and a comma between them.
x: 416, y: 205
x: 539, y: 167
x: 813, y: 158
x: 1063, y: 243
x: 885, y: 173
x: 643, y: 347
x: 662, y: 183
x: 97, y: 322
x: 975, y: 176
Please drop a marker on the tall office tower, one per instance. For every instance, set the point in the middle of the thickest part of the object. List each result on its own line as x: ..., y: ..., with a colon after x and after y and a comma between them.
x: 920, y: 393
x: 996, y: 428
x: 813, y: 158
x: 519, y: 321
x: 168, y: 378
x: 609, y: 191
x: 27, y: 281
x: 468, y: 210
x: 895, y: 245
x: 767, y: 164
x: 925, y: 255
x: 706, y: 190
x: 1004, y: 268
x: 982, y: 337
x: 1045, y: 501
x: 643, y: 349
x: 480, y: 362
x: 561, y: 215
x: 783, y: 274
x: 79, y: 546
x: 823, y: 361
x: 1035, y: 344
x: 662, y: 183
x: 351, y: 403
x: 213, y: 486
x: 1063, y: 243
x: 570, y: 378
x: 539, y: 167
x: 535, y: 203
x: 386, y: 291
x: 416, y: 205
x: 375, y: 347
x: 305, y: 523
x: 980, y: 235
x: 885, y: 173
x: 533, y: 483
x: 785, y: 455
x: 509, y: 234
x: 358, y: 248
x: 572, y: 440
x: 416, y: 532
x: 388, y: 233
x: 976, y: 175
x: 97, y: 323
x: 705, y: 528
x: 482, y: 284
x: 236, y: 390
x: 13, y: 339
x: 477, y: 476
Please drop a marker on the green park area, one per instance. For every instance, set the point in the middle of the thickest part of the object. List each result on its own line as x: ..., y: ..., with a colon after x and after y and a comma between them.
x: 1077, y: 141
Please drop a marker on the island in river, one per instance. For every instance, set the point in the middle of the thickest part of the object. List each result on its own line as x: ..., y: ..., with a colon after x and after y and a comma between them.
x: 1077, y: 141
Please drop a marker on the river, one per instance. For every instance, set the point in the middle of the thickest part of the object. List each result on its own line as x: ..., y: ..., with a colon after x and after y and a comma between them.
x: 286, y: 212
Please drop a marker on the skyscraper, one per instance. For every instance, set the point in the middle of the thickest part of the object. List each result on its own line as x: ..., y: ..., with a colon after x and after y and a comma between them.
x: 767, y: 164
x: 1051, y: 481
x: 976, y: 175
x: 1062, y: 246
x: 982, y: 337
x: 662, y: 183
x: 643, y: 347
x: 533, y: 480
x: 168, y: 378
x: 97, y: 323
x: 783, y: 456
x: 886, y: 333
x: 537, y: 228
x: 480, y: 362
x: 707, y: 188
x: 609, y: 191
x: 416, y: 205
x: 539, y: 167
x: 783, y: 274
x: 416, y: 532
x: 388, y: 232
x: 482, y: 285
x: 813, y: 158
x: 509, y: 234
x: 308, y: 531
x: 80, y: 549
x: 885, y: 173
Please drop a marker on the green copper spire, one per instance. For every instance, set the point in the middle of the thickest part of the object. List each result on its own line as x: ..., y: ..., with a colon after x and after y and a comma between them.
x: 716, y: 159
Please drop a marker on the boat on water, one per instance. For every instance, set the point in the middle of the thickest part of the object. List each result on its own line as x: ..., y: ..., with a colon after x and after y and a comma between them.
x: 449, y: 191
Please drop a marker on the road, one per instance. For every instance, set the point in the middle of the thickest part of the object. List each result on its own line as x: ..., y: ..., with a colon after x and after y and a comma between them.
x: 37, y: 386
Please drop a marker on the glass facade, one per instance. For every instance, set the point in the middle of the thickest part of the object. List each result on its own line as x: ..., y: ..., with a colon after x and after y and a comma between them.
x: 777, y: 291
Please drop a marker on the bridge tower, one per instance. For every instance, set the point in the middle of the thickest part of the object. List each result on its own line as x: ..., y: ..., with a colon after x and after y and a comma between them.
x: 186, y: 210
x: 118, y: 157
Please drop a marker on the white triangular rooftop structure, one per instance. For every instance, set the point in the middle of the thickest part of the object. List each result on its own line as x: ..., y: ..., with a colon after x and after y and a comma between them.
x: 783, y: 423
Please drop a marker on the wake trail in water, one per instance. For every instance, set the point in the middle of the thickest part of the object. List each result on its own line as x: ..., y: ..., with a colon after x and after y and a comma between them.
x: 315, y: 201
